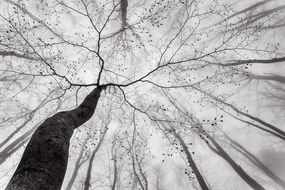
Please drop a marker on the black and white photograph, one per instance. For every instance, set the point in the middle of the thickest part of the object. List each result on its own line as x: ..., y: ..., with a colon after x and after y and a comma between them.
x: 142, y: 95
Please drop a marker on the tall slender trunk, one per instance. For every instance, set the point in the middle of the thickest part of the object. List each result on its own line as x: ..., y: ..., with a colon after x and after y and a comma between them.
x: 18, y: 129
x: 14, y: 146
x: 142, y: 173
x: 43, y: 164
x: 124, y: 6
x: 137, y: 170
x: 88, y: 176
x: 258, y: 127
x: 113, y: 153
x: 137, y: 178
x: 238, y: 169
x: 256, y: 161
x: 196, y: 171
x: 17, y: 143
x: 190, y: 160
x: 11, y: 149
x: 271, y: 127
x: 80, y: 160
x: 30, y: 118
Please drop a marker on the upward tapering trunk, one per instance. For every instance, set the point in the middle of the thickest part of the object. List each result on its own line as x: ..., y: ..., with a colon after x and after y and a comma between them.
x: 90, y: 165
x: 256, y: 161
x: 190, y: 160
x: 43, y: 164
x: 238, y: 169
x: 80, y: 160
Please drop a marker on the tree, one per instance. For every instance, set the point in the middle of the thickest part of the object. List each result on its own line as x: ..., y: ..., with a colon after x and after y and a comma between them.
x: 80, y: 160
x: 255, y: 161
x: 44, y: 161
x: 160, y: 77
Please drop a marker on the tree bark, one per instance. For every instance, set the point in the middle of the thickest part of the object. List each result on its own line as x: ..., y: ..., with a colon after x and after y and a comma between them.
x: 43, y: 164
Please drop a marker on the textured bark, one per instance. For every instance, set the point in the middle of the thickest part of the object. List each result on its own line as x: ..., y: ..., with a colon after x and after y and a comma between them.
x: 43, y: 164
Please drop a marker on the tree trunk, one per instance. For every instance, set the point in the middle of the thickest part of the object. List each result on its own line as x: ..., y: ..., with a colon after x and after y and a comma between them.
x: 80, y: 160
x: 114, y: 156
x: 90, y: 165
x: 44, y: 162
x: 190, y: 160
x: 124, y: 5
x: 238, y: 169
x: 273, y: 128
x: 256, y: 161
x: 18, y: 143
x: 195, y: 169
x: 17, y: 129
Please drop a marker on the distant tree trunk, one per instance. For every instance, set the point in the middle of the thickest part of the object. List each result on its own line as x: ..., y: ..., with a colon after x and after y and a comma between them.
x: 238, y: 169
x: 113, y: 152
x: 11, y: 149
x: 256, y: 161
x: 29, y: 119
x: 270, y: 77
x: 17, y: 129
x: 88, y: 175
x: 258, y: 126
x: 80, y: 160
x: 190, y: 160
x: 271, y: 127
x: 17, y: 143
x: 124, y: 5
x: 196, y: 171
x: 43, y: 164
x: 14, y: 146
